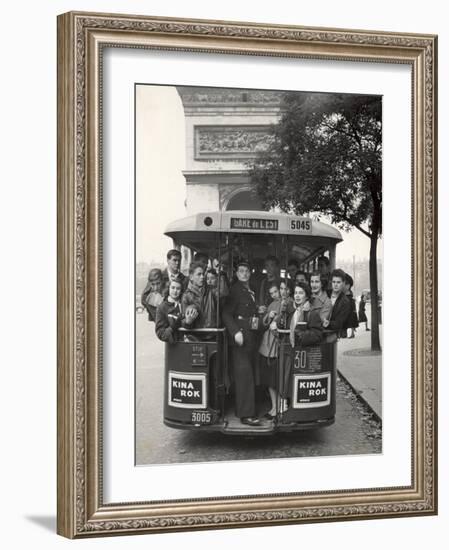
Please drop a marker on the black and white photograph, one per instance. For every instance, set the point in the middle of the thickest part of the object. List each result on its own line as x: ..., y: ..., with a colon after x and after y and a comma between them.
x: 258, y: 274
x: 230, y: 217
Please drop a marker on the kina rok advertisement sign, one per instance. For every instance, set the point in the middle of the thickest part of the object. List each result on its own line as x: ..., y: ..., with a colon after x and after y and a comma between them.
x: 187, y: 390
x: 311, y: 390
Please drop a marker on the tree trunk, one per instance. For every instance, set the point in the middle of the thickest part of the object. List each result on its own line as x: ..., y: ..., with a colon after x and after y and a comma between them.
x: 375, y: 337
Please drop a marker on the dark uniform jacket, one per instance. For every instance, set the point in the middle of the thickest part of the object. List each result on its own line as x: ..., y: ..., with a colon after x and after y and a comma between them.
x: 238, y: 311
x: 352, y: 320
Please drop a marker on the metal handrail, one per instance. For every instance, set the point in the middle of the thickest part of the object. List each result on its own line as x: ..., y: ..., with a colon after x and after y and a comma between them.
x: 283, y: 330
x: 287, y: 331
x: 183, y: 329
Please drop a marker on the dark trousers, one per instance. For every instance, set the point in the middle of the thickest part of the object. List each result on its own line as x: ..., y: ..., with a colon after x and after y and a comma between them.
x: 243, y: 364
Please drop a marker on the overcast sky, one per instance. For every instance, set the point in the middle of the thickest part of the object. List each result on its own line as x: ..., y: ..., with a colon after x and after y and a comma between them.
x: 160, y: 185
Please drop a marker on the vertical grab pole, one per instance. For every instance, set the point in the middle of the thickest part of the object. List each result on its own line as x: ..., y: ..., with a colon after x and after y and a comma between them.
x: 332, y: 257
x: 222, y: 351
x: 219, y: 281
x: 219, y: 378
x: 281, y: 355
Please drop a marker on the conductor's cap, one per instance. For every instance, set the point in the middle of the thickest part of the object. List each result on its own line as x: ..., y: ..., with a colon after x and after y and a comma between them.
x: 245, y: 263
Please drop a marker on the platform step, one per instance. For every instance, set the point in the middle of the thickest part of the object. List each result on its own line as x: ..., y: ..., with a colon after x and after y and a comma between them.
x: 233, y: 425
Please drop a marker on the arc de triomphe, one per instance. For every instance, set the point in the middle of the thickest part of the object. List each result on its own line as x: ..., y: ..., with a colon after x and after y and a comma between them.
x: 225, y: 129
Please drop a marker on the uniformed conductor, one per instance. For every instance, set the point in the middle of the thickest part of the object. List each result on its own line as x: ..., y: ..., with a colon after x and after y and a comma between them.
x: 241, y: 320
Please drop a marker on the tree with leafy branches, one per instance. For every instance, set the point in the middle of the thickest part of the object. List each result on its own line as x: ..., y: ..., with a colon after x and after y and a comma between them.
x: 325, y: 158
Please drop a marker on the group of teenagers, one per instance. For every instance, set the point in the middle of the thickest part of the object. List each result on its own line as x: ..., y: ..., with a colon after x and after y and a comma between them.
x: 255, y: 306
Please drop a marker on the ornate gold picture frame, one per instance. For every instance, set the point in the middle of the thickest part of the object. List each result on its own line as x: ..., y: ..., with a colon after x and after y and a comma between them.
x: 82, y: 40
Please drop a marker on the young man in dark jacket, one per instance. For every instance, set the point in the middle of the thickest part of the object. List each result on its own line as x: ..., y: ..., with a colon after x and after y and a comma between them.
x: 341, y: 306
x: 173, y: 271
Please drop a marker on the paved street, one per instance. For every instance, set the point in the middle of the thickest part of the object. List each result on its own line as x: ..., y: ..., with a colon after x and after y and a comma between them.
x: 356, y: 429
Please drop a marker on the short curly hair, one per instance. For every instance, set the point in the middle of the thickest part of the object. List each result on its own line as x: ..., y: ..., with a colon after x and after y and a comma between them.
x: 305, y: 287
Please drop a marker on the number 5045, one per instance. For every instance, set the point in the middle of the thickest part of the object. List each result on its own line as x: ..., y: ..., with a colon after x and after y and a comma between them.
x: 300, y: 225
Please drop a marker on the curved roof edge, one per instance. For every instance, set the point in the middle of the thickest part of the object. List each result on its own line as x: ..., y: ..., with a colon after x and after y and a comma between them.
x: 258, y: 223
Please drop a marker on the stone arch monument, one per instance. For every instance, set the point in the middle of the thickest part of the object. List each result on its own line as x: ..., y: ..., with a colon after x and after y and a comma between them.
x: 225, y: 129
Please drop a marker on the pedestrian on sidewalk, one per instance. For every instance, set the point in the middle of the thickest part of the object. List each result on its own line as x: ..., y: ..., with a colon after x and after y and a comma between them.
x: 362, y: 314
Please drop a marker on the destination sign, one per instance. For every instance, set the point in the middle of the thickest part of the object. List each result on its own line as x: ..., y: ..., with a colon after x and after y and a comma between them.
x: 255, y: 224
x: 297, y: 225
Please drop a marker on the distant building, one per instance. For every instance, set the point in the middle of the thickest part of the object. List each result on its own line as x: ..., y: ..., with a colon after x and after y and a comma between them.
x: 225, y: 129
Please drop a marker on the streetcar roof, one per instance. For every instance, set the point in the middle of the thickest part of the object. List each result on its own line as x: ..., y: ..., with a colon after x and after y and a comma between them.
x: 249, y: 222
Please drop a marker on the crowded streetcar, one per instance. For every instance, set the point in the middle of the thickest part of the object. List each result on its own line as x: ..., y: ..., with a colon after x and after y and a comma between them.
x: 250, y: 307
